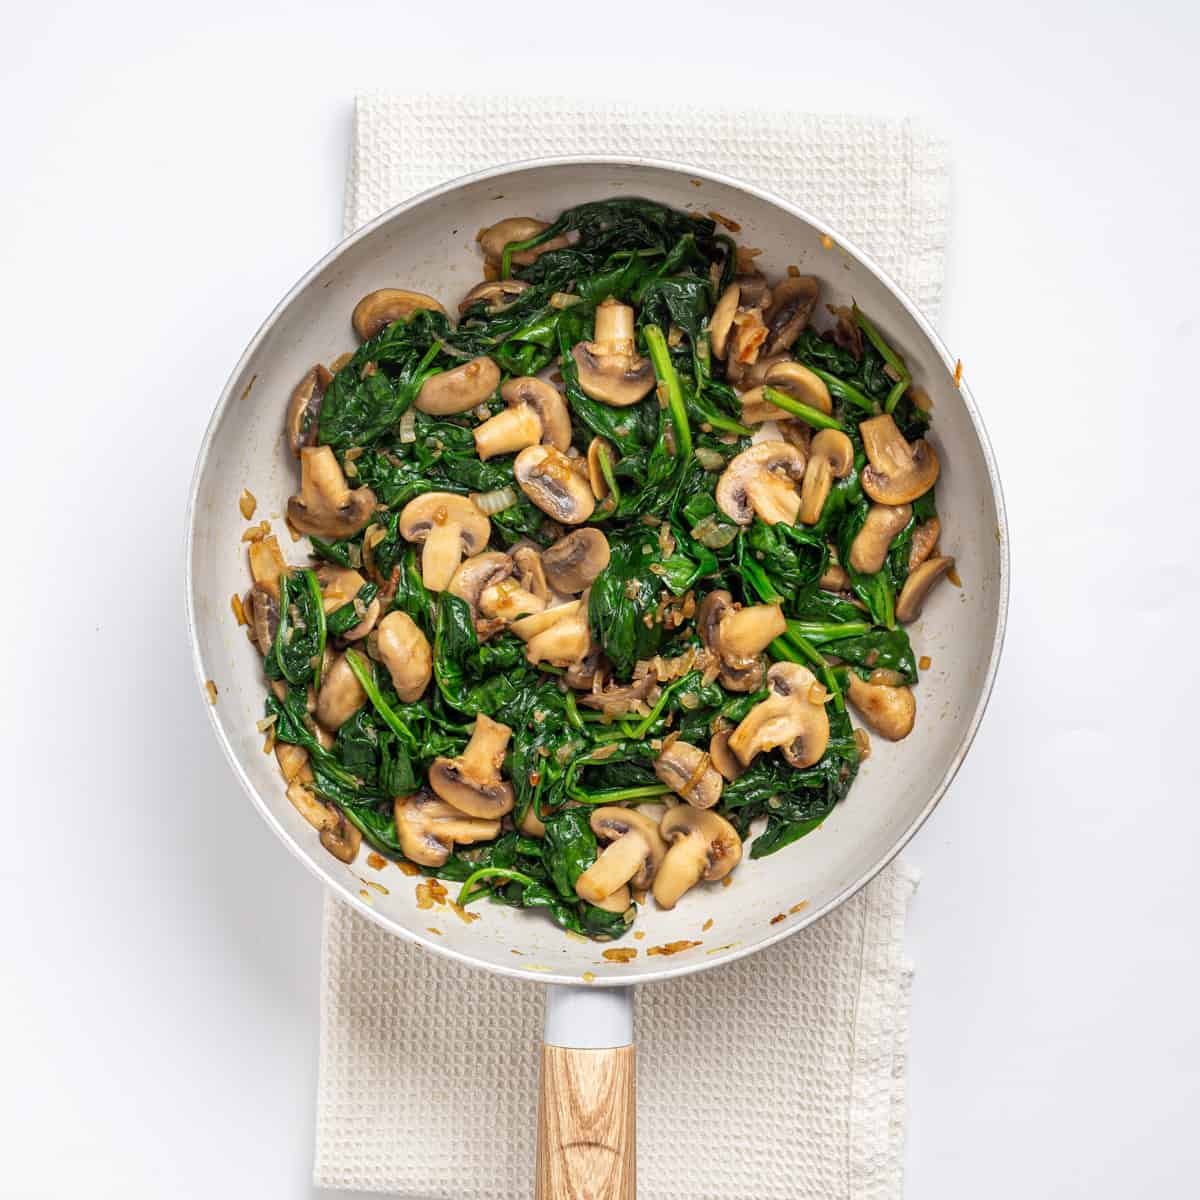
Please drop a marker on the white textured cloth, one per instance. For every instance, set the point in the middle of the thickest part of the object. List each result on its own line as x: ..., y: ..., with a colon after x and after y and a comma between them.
x: 810, y: 1100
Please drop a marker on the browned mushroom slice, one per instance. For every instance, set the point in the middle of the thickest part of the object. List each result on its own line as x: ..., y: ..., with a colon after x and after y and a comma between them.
x: 428, y: 828
x: 450, y: 527
x: 546, y: 476
x: 517, y: 229
x: 834, y: 579
x: 404, y: 650
x: 327, y: 506
x: 741, y: 672
x: 831, y: 455
x: 305, y: 407
x: 889, y: 710
x: 788, y: 719
x: 340, y: 586
x: 924, y: 542
x: 688, y: 772
x: 536, y: 413
x: 633, y: 854
x: 342, y: 839
x: 747, y: 337
x: 341, y: 695
x: 472, y: 782
x: 262, y: 609
x: 574, y: 561
x: 458, y: 390
x: 563, y: 642
x: 919, y: 584
x: 609, y: 367
x: 496, y: 294
x: 703, y: 845
x: 721, y: 321
x: 377, y: 310
x: 762, y: 480
x: 898, y: 472
x: 531, y: 571
x: 796, y: 380
x: 267, y: 564
x: 883, y: 524
x: 792, y: 302
x: 723, y: 758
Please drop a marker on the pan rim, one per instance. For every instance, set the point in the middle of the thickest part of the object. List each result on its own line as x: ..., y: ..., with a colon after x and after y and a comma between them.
x: 971, y: 727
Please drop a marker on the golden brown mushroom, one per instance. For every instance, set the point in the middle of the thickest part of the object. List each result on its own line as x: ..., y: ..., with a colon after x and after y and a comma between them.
x: 610, y: 368
x: 634, y: 851
x: 404, y: 650
x: 536, y: 413
x: 304, y: 408
x: 721, y: 321
x: 830, y: 457
x: 919, y: 584
x: 924, y: 542
x: 377, y: 310
x: 428, y: 828
x: 723, y: 758
x: 341, y: 695
x: 459, y: 389
x: 574, y: 561
x: 600, y: 454
x: 546, y: 476
x: 340, y: 586
x: 762, y: 480
x: 883, y: 524
x: 703, y: 845
x: 737, y: 636
x: 898, y: 472
x: 472, y: 782
x: 451, y: 528
x: 327, y: 506
x: 267, y: 564
x: 889, y: 710
x: 792, y: 302
x: 789, y: 719
x: 497, y: 294
x: 494, y: 238
x: 564, y: 638
x: 689, y: 772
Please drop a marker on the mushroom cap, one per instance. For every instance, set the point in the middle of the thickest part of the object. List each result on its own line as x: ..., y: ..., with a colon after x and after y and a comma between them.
x: 494, y: 238
x: 326, y: 505
x: 404, y: 650
x: 612, y: 822
x: 341, y: 695
x: 459, y: 389
x: 792, y: 302
x: 547, y: 401
x: 471, y: 782
x: 428, y: 828
x: 574, y: 561
x: 377, y: 310
x: 742, y: 676
x: 745, y: 632
x: 721, y: 321
x: 618, y: 902
x: 478, y: 572
x: 498, y: 293
x: 339, y: 586
x: 618, y: 380
x: 527, y: 562
x: 924, y: 542
x: 527, y: 628
x: 883, y: 523
x: 423, y: 514
x: 762, y: 480
x: 703, y: 846
x: 563, y: 643
x: 304, y: 407
x: 723, y: 758
x: 796, y: 380
x: 919, y: 584
x: 546, y: 476
x: 788, y: 719
x: 898, y: 472
x: 689, y: 772
x: 889, y: 710
x: 831, y: 456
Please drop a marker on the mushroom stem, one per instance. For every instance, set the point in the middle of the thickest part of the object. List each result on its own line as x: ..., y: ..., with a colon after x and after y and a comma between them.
x: 614, y: 326
x: 773, y: 499
x: 441, y: 555
x: 508, y: 432
x: 617, y: 865
x: 485, y: 751
x: 683, y: 868
x: 749, y: 631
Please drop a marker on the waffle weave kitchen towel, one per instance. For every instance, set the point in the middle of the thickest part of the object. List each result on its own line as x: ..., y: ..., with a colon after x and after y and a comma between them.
x: 428, y: 1070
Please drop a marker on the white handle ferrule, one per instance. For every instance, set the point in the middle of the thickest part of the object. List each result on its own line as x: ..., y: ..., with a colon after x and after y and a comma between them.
x: 588, y: 1018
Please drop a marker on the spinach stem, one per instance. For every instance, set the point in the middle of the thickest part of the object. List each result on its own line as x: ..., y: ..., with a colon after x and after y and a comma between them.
x: 617, y: 795
x: 841, y: 390
x: 573, y: 717
x: 464, y: 893
x: 641, y: 729
x: 365, y: 675
x: 890, y: 356
x: 809, y: 415
x: 664, y: 368
x: 318, y: 606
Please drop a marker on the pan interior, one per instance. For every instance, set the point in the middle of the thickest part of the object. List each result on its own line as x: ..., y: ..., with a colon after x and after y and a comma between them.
x: 428, y: 246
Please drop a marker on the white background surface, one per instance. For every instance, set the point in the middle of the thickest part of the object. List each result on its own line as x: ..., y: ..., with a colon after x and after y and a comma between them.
x: 169, y: 171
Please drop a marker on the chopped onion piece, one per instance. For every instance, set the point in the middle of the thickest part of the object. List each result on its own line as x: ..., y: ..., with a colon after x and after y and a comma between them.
x: 408, y: 426
x: 709, y: 459
x: 713, y: 534
x: 489, y: 503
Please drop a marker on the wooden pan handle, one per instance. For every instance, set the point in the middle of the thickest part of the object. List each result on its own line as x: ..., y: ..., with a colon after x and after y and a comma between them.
x: 587, y: 1103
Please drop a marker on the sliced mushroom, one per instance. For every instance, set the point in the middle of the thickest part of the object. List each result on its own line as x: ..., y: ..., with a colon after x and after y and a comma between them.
x: 497, y: 294
x: 831, y: 455
x: 633, y: 854
x: 834, y: 579
x: 564, y: 642
x: 527, y: 628
x: 305, y: 407
x: 472, y: 782
x: 342, y: 840
x: 507, y: 600
x: 327, y: 506
x: 600, y: 453
x: 755, y: 374
x: 306, y: 802
x: 721, y: 321
x: 536, y: 412
x: 267, y: 564
x: 792, y: 302
x: 404, y: 650
x: 723, y: 758
x: 574, y: 561
x: 451, y: 528
x: 293, y: 763
x: 898, y: 472
x: 377, y: 310
x: 527, y: 563
x: 703, y: 845
x: 458, y: 390
x: 890, y: 711
x: 530, y: 824
x: 339, y: 586
x: 610, y: 368
x: 788, y: 718
x: 796, y: 380
x: 924, y: 542
x: 494, y: 238
x: 689, y: 772
x: 762, y: 479
x: 619, y: 699
x: 262, y: 610
x: 546, y: 476
x: 428, y: 828
x: 919, y: 584
x: 618, y: 902
x: 883, y: 524
x: 750, y: 631
x: 341, y: 695
x: 478, y: 572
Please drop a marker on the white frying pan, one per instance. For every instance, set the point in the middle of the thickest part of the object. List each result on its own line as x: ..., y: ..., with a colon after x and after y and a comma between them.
x: 586, y: 1119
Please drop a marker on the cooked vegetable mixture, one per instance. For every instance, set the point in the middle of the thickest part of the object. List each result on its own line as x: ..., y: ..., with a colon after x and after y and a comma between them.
x: 596, y: 569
